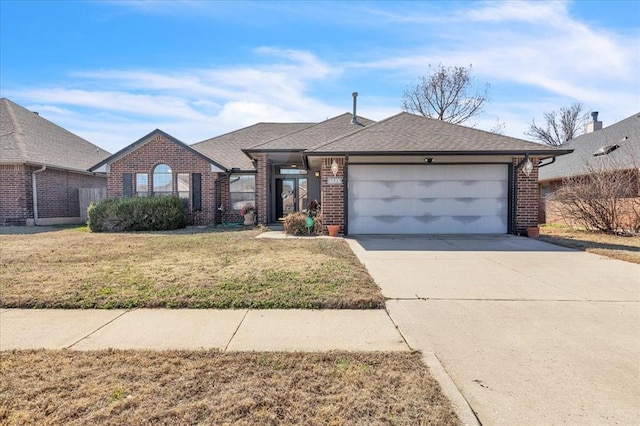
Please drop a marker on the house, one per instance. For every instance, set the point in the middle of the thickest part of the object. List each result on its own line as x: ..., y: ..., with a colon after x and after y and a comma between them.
x: 614, y: 149
x: 406, y: 174
x: 43, y: 168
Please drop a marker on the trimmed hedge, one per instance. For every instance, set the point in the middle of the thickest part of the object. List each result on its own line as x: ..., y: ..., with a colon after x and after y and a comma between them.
x: 137, y: 214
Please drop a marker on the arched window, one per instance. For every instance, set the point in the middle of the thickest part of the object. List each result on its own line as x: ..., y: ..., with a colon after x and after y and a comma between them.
x: 162, y: 180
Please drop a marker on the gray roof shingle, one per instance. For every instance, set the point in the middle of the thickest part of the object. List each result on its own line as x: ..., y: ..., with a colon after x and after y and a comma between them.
x: 316, y: 135
x: 227, y: 149
x: 25, y: 137
x: 409, y: 133
x: 581, y: 161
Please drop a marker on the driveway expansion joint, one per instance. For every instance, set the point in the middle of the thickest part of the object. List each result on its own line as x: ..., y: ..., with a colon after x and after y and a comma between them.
x: 100, y: 328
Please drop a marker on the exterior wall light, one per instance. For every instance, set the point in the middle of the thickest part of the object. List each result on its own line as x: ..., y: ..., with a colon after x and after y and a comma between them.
x: 334, y: 168
x: 527, y: 167
x: 316, y: 174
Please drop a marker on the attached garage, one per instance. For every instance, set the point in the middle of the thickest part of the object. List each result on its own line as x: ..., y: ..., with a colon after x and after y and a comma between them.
x: 428, y: 199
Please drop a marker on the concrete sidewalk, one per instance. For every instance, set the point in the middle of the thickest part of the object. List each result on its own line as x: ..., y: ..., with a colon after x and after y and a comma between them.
x: 226, y: 330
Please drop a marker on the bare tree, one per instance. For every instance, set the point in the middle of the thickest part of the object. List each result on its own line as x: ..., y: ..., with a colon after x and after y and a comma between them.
x: 445, y: 94
x: 603, y: 199
x: 560, y: 126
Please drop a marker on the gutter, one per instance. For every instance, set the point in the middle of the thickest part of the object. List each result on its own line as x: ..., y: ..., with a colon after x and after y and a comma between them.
x: 34, y: 190
x: 553, y: 160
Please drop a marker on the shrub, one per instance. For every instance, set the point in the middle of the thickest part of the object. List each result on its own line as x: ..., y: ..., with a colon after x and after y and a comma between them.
x: 296, y: 224
x: 137, y: 214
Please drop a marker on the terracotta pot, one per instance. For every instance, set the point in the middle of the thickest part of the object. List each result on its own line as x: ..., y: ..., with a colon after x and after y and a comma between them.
x: 334, y: 230
x: 533, y: 232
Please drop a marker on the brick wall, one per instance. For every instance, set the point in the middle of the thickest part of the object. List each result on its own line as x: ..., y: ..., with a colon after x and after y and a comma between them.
x: 262, y: 189
x: 332, y: 196
x: 58, y: 194
x: 527, y: 196
x: 15, y: 194
x: 159, y: 150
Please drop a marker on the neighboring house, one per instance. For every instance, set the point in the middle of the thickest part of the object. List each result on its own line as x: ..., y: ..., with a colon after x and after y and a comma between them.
x: 403, y: 175
x: 613, y: 149
x: 42, y: 169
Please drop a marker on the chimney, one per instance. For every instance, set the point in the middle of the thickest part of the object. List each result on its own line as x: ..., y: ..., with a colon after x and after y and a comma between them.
x: 354, y: 119
x: 594, y: 125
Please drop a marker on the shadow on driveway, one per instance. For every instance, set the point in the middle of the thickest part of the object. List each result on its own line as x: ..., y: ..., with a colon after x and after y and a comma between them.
x: 498, y: 243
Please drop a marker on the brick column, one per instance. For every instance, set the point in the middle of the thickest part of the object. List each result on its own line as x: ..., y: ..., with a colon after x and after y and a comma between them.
x: 262, y: 189
x: 527, y: 196
x: 332, y: 196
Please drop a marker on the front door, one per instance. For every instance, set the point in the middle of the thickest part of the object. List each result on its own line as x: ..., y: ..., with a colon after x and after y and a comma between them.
x: 291, y: 196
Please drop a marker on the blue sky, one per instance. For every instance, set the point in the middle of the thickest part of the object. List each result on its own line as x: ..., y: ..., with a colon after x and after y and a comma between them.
x: 112, y: 71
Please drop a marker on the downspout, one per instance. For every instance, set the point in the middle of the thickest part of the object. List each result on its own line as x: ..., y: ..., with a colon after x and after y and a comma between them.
x: 216, y: 193
x: 34, y: 194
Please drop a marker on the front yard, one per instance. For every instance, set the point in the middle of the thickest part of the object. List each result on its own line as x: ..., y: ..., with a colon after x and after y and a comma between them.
x: 209, y: 387
x: 625, y: 248
x: 73, y: 268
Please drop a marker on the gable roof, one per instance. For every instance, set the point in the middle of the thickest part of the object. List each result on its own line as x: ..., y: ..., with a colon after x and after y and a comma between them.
x: 143, y: 140
x: 627, y: 156
x: 227, y: 148
x: 315, y: 135
x: 25, y: 137
x: 407, y: 133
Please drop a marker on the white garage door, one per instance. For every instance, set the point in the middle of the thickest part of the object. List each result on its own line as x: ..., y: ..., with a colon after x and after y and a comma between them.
x: 428, y: 199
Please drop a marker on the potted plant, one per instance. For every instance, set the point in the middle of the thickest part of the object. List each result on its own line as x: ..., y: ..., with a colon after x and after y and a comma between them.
x: 248, y: 212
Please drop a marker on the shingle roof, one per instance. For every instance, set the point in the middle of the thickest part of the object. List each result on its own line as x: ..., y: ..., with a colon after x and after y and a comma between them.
x: 409, y: 133
x: 316, y: 135
x: 143, y: 140
x: 227, y: 149
x: 25, y: 137
x: 627, y: 156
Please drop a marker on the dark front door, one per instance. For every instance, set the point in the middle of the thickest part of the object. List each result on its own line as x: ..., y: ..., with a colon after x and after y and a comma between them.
x: 291, y: 196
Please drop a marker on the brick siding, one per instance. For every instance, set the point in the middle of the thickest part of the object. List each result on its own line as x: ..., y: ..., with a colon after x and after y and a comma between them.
x: 159, y: 150
x: 57, y: 193
x: 527, y: 196
x: 262, y: 189
x: 16, y: 201
x: 332, y: 196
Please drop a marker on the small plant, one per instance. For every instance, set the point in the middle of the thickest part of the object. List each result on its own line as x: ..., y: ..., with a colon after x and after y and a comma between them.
x: 296, y: 224
x: 247, y: 208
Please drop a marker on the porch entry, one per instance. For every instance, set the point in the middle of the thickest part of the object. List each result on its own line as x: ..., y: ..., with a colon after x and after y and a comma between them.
x: 291, y: 195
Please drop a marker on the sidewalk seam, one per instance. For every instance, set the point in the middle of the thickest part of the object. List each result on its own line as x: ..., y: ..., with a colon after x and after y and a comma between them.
x: 397, y: 328
x: 236, y: 331
x: 99, y: 328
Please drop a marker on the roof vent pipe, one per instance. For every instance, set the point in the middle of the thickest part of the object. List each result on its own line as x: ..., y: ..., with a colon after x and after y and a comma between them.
x: 354, y: 119
x: 594, y: 115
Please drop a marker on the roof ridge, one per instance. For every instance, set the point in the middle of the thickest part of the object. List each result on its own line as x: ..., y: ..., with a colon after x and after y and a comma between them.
x: 297, y: 131
x: 243, y: 129
x: 355, y: 131
x: 19, y: 133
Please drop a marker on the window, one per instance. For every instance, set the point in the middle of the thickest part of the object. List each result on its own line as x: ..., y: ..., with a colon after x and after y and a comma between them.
x: 183, y: 185
x: 183, y: 189
x: 142, y: 184
x: 291, y: 171
x: 162, y: 180
x: 242, y: 190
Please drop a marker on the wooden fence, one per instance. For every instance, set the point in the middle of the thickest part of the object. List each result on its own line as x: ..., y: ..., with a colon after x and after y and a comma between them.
x: 88, y: 196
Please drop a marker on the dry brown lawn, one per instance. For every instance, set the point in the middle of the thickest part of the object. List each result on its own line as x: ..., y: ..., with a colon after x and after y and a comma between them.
x: 208, y: 387
x: 613, y: 246
x: 73, y: 268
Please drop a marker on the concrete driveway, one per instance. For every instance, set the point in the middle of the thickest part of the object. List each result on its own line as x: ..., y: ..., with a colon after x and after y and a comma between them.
x: 530, y: 333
